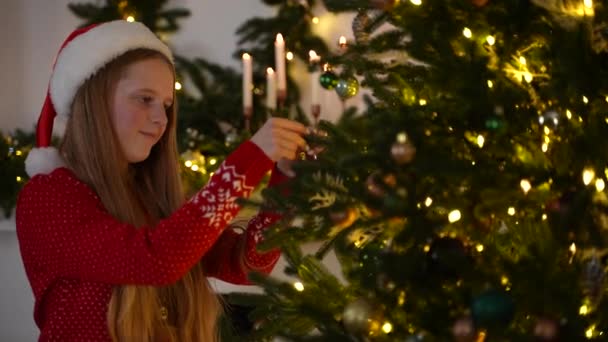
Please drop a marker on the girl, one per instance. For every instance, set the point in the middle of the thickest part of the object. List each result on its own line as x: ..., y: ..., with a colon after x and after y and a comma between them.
x: 110, y: 246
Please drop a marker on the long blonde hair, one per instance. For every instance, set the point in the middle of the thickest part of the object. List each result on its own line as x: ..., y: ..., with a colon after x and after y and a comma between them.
x: 140, y: 194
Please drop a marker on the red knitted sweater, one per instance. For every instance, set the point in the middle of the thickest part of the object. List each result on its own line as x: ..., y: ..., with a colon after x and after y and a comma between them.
x: 74, y: 251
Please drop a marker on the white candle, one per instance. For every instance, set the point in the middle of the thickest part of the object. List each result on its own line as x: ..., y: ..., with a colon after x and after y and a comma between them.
x: 279, y: 60
x: 247, y: 82
x: 314, y: 78
x: 271, y: 89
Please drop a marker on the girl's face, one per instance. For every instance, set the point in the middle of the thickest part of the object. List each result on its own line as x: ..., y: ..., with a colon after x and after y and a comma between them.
x: 139, y: 106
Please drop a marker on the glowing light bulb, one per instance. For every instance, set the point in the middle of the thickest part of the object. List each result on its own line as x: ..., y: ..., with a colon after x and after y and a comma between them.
x: 454, y: 216
x: 467, y: 32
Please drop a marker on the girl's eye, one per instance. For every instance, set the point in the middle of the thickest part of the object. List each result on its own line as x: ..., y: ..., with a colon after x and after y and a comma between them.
x: 146, y: 99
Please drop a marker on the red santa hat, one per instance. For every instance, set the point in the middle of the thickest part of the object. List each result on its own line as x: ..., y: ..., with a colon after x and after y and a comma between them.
x: 83, y: 53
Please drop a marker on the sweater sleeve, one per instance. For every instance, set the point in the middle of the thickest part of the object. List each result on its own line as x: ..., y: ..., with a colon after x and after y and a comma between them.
x: 235, y: 255
x: 63, y: 228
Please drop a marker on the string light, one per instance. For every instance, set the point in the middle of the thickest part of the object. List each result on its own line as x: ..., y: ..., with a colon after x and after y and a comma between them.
x: 504, y: 280
x: 479, y: 248
x: 568, y: 114
x: 426, y: 248
x: 428, y: 201
x: 422, y: 102
x: 573, y: 248
x: 528, y: 77
x: 490, y: 84
x: 467, y: 32
x: 401, y: 137
x: 588, y: 3
x: 18, y: 152
x: 585, y: 99
x: 178, y: 86
x: 522, y: 60
x: 18, y: 179
x: 315, y: 20
x: 511, y: 211
x: 194, y: 167
x: 188, y: 163
x: 130, y: 19
x: 480, y: 141
x: 454, y: 216
x: 491, y: 40
x: 416, y: 2
x: 387, y: 327
x: 600, y: 185
x: 525, y: 185
x: 289, y: 55
x: 212, y: 161
x: 590, y: 332
x: 298, y: 286
x: 545, y: 147
x: 544, y: 217
x: 588, y: 176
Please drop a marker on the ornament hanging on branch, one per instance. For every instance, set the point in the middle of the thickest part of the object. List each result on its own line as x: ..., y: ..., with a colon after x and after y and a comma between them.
x: 347, y: 88
x: 402, y: 149
x: 493, y: 308
x: 464, y: 330
x: 328, y: 80
x: 362, y: 317
x: 546, y: 330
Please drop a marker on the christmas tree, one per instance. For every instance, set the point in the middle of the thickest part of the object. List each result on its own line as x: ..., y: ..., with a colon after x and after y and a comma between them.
x: 467, y: 202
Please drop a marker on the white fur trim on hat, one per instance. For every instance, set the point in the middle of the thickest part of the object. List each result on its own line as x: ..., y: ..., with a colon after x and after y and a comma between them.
x: 87, y: 53
x: 43, y: 160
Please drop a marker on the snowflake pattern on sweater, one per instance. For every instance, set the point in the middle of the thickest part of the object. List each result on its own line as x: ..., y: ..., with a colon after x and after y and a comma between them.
x: 74, y: 251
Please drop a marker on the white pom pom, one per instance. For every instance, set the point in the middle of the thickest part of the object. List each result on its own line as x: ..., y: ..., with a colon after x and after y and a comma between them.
x: 43, y: 160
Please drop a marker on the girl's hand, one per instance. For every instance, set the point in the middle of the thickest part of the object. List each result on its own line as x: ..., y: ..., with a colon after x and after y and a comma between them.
x: 280, y: 139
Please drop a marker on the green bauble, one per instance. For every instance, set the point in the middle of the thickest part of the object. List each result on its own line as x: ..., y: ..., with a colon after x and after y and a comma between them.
x: 347, y: 88
x: 493, y: 309
x: 495, y: 123
x: 328, y: 80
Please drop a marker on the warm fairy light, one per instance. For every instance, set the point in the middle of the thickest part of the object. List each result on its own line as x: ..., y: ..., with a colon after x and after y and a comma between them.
x: 246, y: 56
x: 511, y: 211
x: 401, y: 138
x: 606, y: 98
x: 194, y: 167
x: 547, y: 131
x: 428, y: 201
x: 480, y: 140
x: 467, y: 32
x: 528, y: 77
x: 600, y: 185
x: 490, y: 84
x: 583, y: 310
x: 427, y: 248
x: 522, y: 60
x: 18, y: 152
x: 289, y: 56
x: 454, y: 216
x: 422, y: 102
x: 178, y: 86
x: 491, y: 40
x: 588, y: 176
x: 401, y: 298
x: 544, y: 217
x: 342, y: 41
x: 568, y: 114
x: 212, y: 161
x: 525, y: 185
x: 315, y: 20
x: 588, y: 3
x: 312, y: 56
x: 188, y: 163
x: 545, y: 147
x: 416, y: 2
x: 572, y: 248
x: 590, y: 332
x: 298, y: 286
x: 585, y: 99
x: 479, y: 248
x: 504, y: 280
x: 18, y: 179
x: 130, y: 19
x: 387, y: 327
